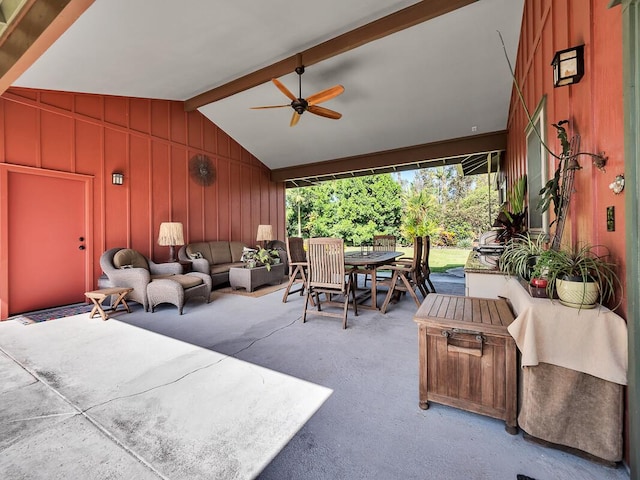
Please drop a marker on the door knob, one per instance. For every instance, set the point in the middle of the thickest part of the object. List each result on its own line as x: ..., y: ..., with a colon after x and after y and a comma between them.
x: 81, y: 247
x: 81, y: 239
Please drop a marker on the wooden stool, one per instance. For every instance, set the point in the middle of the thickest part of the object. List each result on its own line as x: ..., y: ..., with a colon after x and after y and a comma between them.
x: 99, y: 296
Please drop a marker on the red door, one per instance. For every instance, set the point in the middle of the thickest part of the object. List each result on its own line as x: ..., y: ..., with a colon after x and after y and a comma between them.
x: 46, y: 240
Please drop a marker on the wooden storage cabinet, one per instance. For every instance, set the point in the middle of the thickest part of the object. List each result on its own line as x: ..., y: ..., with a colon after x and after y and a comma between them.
x: 467, y: 359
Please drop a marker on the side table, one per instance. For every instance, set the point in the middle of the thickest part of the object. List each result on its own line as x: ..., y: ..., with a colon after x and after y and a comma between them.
x: 467, y: 359
x: 574, y: 366
x: 99, y: 296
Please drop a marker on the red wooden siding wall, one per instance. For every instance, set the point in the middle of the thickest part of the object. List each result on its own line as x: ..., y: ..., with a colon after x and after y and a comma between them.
x: 593, y: 107
x: 150, y: 142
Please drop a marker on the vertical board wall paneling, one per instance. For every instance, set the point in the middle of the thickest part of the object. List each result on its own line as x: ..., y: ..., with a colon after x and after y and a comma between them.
x: 150, y: 142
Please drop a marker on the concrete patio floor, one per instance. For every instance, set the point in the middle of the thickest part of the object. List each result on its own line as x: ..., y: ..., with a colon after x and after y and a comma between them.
x: 242, y: 388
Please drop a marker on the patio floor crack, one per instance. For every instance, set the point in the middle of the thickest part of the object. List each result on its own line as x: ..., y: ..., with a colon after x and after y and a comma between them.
x: 195, y: 370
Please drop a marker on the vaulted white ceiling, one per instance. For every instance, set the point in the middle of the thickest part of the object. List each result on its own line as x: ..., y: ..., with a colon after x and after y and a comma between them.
x: 442, y: 79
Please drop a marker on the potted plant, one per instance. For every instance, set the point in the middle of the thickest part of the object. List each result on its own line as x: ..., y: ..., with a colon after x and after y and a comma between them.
x: 521, y: 253
x: 261, y: 256
x: 580, y: 276
x: 512, y: 218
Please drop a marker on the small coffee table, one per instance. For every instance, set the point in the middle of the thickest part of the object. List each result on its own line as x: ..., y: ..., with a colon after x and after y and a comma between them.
x: 99, y: 296
x: 251, y: 278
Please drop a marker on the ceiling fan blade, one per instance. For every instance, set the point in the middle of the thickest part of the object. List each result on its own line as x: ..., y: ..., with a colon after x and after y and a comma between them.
x: 325, y: 95
x: 324, y: 112
x: 283, y: 89
x: 294, y: 119
x: 269, y: 106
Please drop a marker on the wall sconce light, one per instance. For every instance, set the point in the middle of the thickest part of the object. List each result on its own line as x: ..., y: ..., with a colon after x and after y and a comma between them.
x: 617, y: 186
x: 568, y: 66
x: 117, y: 178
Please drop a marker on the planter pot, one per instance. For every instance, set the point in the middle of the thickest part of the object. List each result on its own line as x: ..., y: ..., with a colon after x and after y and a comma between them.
x: 577, y: 294
x: 539, y: 282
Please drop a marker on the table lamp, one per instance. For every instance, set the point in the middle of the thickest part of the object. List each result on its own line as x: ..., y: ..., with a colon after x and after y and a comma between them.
x: 265, y: 234
x: 171, y: 234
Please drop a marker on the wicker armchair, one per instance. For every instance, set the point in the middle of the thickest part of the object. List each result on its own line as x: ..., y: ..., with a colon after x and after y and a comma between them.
x: 153, y: 283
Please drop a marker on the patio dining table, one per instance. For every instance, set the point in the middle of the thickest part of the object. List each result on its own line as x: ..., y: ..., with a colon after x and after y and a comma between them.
x: 368, y: 262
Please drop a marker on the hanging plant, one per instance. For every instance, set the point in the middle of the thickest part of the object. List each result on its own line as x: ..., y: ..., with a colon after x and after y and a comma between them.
x: 552, y: 190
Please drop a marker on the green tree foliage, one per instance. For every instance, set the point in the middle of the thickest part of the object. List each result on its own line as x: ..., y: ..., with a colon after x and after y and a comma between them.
x: 438, y: 202
x: 447, y: 206
x: 353, y: 209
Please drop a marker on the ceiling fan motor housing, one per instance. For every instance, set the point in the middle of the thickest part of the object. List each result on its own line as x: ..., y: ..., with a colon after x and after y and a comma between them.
x: 299, y: 105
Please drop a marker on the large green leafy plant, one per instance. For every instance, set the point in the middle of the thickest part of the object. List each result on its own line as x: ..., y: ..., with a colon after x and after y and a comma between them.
x: 580, y: 263
x: 513, y: 213
x: 520, y: 254
x: 262, y: 256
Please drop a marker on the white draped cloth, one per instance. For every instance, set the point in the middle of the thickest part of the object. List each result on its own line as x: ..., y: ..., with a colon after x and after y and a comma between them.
x: 592, y: 341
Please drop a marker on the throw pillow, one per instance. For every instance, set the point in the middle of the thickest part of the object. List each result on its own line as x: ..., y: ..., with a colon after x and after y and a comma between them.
x: 195, y: 255
x: 126, y: 266
x: 247, y: 253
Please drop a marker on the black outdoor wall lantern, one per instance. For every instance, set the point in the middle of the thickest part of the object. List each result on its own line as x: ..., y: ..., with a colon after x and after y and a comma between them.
x: 568, y: 66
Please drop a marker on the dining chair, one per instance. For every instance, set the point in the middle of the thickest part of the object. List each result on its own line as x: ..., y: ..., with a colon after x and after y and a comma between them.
x: 297, y: 266
x: 384, y: 243
x: 327, y: 274
x: 406, y: 277
x: 425, y: 271
x: 381, y: 243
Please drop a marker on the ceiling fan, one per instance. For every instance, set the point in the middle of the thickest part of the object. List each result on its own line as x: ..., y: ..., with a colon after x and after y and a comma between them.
x: 310, y: 104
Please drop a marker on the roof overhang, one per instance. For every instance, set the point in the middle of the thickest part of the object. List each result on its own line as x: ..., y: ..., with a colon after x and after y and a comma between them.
x: 474, y: 154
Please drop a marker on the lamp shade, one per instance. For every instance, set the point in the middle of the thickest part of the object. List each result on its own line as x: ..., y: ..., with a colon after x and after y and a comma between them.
x: 265, y: 233
x: 171, y: 234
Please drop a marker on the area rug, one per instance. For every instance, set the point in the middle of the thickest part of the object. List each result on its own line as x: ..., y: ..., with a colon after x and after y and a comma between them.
x: 52, y: 313
x: 259, y: 292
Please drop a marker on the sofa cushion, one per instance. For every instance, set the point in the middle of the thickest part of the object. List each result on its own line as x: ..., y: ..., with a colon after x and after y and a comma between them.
x: 220, y: 252
x: 236, y: 251
x: 221, y: 268
x: 128, y: 257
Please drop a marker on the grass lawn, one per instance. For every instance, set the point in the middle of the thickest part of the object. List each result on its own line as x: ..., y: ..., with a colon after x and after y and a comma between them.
x: 440, y: 259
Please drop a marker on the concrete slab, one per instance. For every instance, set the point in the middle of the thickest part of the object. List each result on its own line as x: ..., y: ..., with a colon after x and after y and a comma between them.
x: 134, y: 400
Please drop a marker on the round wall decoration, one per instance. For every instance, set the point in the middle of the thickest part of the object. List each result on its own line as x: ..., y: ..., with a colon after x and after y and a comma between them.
x: 202, y: 170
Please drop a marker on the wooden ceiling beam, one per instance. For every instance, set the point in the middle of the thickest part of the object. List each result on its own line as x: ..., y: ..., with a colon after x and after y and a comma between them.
x: 392, y: 23
x: 456, y: 147
x: 36, y: 27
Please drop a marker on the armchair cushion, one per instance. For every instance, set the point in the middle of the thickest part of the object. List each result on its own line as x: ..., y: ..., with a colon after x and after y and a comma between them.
x: 153, y: 283
x: 128, y: 258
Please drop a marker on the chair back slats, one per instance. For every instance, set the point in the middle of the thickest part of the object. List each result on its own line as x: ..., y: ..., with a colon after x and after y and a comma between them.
x: 425, y: 270
x: 384, y: 243
x: 417, y: 253
x: 295, y: 250
x: 426, y: 247
x: 326, y: 263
